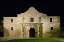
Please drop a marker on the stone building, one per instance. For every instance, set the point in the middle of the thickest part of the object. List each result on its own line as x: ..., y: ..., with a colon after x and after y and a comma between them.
x: 29, y: 24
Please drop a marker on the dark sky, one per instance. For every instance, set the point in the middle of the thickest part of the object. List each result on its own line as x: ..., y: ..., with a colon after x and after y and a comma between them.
x: 12, y: 8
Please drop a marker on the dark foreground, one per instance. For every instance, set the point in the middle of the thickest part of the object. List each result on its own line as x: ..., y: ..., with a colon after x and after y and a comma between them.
x: 35, y: 40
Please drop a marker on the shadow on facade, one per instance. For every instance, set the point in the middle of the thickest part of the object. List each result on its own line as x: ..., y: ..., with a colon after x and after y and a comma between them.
x: 6, y: 33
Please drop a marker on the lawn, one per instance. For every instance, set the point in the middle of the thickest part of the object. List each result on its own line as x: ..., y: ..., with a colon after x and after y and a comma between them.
x: 34, y: 40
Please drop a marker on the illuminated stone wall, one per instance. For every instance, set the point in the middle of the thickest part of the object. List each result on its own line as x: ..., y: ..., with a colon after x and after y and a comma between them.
x: 41, y: 24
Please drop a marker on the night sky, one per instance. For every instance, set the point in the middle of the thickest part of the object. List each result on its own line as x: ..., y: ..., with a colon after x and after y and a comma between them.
x: 12, y: 8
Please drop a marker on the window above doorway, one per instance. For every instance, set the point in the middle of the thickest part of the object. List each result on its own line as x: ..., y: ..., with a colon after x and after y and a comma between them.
x: 31, y: 19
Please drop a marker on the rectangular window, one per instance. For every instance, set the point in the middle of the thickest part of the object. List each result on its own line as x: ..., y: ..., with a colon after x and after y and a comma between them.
x: 50, y: 19
x: 31, y: 19
x: 11, y: 28
x: 11, y: 20
x: 51, y: 28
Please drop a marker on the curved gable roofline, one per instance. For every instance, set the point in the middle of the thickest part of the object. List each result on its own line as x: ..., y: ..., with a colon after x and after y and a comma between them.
x: 32, y: 10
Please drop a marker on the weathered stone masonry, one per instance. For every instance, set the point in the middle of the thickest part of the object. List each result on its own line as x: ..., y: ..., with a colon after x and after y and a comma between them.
x: 29, y: 24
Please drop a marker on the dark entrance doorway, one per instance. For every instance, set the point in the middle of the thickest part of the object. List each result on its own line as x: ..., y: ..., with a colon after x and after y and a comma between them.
x: 32, y: 32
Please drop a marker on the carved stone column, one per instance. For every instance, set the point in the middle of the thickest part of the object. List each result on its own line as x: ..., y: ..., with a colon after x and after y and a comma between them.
x: 38, y: 30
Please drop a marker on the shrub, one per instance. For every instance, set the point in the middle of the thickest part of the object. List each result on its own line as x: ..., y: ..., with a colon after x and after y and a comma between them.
x: 53, y: 33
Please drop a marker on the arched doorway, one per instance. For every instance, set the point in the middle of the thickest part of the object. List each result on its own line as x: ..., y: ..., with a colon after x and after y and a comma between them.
x: 32, y: 32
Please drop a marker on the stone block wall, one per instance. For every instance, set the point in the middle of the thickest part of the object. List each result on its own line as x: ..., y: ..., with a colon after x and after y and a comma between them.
x: 23, y: 20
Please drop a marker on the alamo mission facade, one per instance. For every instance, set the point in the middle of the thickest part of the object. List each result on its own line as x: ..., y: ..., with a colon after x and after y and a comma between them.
x: 29, y: 24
